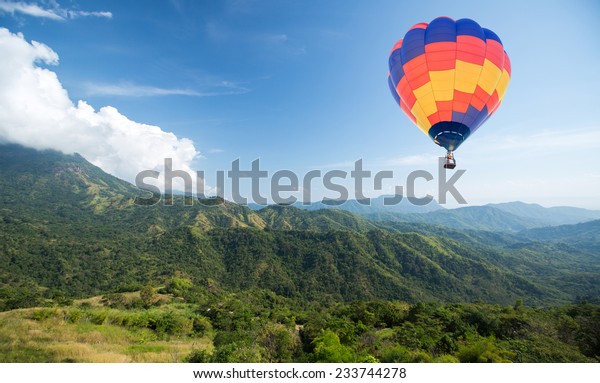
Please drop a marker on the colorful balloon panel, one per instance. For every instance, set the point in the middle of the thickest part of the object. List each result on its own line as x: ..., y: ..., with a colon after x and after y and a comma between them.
x: 448, y: 77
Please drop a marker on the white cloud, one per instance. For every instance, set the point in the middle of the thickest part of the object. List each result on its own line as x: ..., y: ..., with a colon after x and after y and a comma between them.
x: 28, y: 9
x: 53, y: 12
x: 76, y: 14
x: 135, y: 90
x: 36, y: 111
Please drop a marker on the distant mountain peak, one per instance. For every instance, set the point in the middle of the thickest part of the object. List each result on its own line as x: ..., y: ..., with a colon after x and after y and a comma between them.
x: 550, y: 216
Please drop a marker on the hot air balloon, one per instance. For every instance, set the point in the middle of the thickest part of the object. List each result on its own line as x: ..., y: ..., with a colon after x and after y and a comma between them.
x: 449, y: 77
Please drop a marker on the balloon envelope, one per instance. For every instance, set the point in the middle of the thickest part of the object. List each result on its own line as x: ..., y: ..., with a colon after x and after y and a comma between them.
x: 449, y: 77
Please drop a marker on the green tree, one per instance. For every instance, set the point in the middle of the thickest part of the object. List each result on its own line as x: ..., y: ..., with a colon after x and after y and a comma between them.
x: 237, y: 353
x: 483, y: 351
x: 395, y: 354
x: 147, y: 296
x: 279, y: 342
x: 329, y: 349
x: 179, y: 286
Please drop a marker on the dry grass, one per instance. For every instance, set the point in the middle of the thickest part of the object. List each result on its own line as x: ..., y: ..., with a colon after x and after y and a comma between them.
x: 129, y: 297
x: 52, y: 339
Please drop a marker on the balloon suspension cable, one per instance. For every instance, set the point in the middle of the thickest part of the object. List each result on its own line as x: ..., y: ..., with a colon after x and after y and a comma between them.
x: 450, y: 161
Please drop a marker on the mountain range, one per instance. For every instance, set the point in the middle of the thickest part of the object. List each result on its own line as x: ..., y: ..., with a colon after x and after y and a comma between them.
x: 68, y: 227
x: 509, y: 216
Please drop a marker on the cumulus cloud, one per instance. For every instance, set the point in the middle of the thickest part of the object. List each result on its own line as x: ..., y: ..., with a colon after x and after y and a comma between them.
x: 36, y: 111
x: 52, y: 11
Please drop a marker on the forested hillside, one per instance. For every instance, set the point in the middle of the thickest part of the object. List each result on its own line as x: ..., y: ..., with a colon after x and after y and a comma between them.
x: 68, y: 227
x: 332, y: 284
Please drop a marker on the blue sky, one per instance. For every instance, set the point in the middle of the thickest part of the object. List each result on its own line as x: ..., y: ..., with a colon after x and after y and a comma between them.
x: 302, y: 85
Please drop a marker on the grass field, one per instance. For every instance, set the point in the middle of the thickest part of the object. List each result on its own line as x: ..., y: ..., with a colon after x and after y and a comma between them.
x: 98, y: 335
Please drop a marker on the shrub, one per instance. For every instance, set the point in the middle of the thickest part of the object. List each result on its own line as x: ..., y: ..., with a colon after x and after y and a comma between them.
x: 98, y: 317
x: 43, y: 314
x: 115, y: 300
x: 178, y: 286
x: 396, y: 354
x: 137, y: 320
x: 200, y: 325
x: 198, y: 356
x: 482, y: 351
x: 446, y: 358
x: 420, y: 356
x: 73, y: 315
x: 235, y: 353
